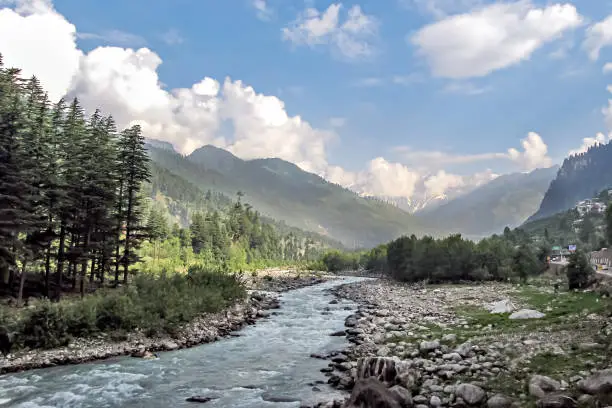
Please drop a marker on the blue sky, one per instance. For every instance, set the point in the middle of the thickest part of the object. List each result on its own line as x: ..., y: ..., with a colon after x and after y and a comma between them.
x: 391, y: 99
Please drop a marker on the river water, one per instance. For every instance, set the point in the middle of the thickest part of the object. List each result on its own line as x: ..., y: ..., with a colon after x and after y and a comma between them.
x: 268, y: 366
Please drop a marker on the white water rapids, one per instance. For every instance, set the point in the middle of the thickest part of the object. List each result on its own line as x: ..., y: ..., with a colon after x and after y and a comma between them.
x: 269, y: 363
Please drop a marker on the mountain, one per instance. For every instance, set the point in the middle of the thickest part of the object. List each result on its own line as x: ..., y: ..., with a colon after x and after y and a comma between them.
x: 508, y: 200
x: 580, y: 177
x: 283, y: 191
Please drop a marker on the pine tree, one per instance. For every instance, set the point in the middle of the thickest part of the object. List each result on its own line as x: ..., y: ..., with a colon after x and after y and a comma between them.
x: 134, y: 164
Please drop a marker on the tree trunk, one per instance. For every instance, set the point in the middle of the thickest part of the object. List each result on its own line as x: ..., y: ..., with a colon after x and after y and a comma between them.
x: 21, y: 283
x: 60, y: 259
x: 128, y: 231
x: 48, y: 270
x: 118, y: 243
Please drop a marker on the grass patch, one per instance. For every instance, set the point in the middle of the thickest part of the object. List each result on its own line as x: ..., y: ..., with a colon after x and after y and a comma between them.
x: 152, y: 305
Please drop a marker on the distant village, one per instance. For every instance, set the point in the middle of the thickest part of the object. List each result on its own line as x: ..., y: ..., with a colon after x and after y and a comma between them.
x: 601, y: 259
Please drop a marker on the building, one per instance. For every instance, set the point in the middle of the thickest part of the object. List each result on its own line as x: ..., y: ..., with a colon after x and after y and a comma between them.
x: 590, y: 206
x: 602, y: 259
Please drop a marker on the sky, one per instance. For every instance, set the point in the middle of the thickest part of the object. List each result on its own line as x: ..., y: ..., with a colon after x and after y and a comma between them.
x: 395, y: 98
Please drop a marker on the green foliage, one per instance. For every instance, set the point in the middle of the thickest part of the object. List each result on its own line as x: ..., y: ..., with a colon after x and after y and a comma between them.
x: 336, y: 261
x: 579, y: 271
x: 525, y: 263
x: 155, y: 306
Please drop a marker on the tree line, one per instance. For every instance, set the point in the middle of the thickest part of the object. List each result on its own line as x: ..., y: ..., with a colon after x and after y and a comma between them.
x: 70, y: 202
x: 453, y: 258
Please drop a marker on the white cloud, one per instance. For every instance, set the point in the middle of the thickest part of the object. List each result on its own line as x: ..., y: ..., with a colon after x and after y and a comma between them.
x: 114, y: 37
x: 491, y: 38
x: 351, y: 39
x: 380, y: 178
x: 45, y: 47
x: 125, y: 83
x: 264, y: 12
x: 441, y: 8
x: 172, y: 37
x: 534, y: 154
x: 588, y: 142
x: 607, y: 68
x: 598, y: 36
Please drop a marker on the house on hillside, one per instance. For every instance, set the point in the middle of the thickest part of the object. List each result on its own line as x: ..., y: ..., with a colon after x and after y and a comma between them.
x: 602, y: 259
x: 590, y: 206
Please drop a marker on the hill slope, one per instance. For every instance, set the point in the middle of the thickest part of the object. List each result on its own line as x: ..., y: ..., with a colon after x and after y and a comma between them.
x: 283, y: 191
x: 580, y: 177
x: 506, y: 201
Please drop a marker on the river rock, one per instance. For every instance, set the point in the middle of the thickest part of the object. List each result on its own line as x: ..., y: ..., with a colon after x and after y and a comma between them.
x: 201, y: 399
x: 556, y: 401
x: 526, y: 314
x: 503, y: 306
x: 599, y: 383
x: 403, y: 395
x: 429, y: 346
x: 499, y: 401
x: 370, y: 393
x: 539, y: 385
x: 470, y: 393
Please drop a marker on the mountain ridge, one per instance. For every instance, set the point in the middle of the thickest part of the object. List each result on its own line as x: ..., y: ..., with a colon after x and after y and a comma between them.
x: 283, y: 191
x: 579, y: 177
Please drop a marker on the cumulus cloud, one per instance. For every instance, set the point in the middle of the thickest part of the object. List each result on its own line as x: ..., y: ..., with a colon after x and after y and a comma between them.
x: 534, y: 154
x: 125, y: 83
x: 588, y: 142
x: 491, y: 38
x: 351, y: 38
x: 46, y: 46
x: 598, y: 36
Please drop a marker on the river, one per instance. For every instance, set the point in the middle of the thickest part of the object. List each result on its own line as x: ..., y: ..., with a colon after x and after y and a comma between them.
x: 268, y: 363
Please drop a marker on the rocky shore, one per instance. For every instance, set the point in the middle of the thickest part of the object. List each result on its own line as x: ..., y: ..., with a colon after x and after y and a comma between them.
x: 414, y: 346
x: 261, y: 299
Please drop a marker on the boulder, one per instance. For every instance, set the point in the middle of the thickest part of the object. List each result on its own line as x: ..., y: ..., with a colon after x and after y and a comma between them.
x: 385, y: 369
x: 199, y: 398
x: 597, y: 384
x: 527, y: 314
x: 543, y: 383
x: 556, y: 401
x: 503, y: 306
x: 428, y: 346
x: 403, y: 395
x: 499, y: 401
x: 371, y: 393
x: 471, y: 394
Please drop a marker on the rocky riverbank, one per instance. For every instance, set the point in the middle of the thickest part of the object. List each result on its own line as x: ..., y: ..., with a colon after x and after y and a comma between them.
x: 441, y: 346
x: 205, y: 329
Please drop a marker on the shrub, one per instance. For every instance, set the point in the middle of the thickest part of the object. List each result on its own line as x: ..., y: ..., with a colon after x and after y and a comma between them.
x: 154, y: 305
x: 579, y: 271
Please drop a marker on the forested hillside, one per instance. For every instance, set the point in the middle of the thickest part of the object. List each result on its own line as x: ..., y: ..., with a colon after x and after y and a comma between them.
x: 82, y: 204
x: 588, y: 231
x: 580, y: 177
x: 506, y: 201
x: 281, y: 190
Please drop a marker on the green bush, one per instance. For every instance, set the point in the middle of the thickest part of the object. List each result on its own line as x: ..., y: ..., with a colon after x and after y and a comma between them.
x: 154, y: 305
